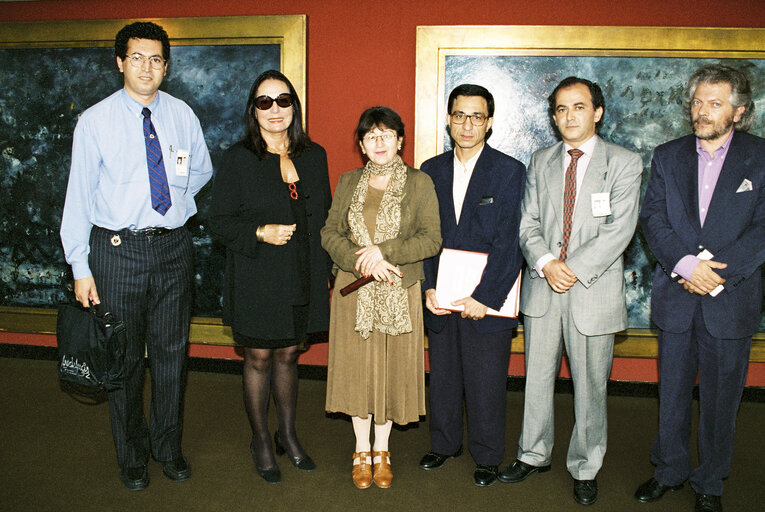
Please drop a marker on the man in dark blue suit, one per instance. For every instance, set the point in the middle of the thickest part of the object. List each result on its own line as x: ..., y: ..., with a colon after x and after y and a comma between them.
x: 704, y: 219
x: 479, y: 193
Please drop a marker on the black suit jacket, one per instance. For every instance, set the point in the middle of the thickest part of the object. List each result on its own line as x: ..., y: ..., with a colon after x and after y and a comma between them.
x: 489, y: 221
x: 249, y: 192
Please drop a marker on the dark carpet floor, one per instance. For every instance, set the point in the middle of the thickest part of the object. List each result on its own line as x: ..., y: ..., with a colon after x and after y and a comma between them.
x: 57, y: 455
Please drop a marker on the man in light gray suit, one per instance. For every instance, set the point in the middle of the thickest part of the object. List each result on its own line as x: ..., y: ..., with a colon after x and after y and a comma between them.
x: 578, y: 214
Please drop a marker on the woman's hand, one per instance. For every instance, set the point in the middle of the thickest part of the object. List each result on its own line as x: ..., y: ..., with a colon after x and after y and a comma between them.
x: 383, y: 271
x: 368, y: 257
x: 278, y: 234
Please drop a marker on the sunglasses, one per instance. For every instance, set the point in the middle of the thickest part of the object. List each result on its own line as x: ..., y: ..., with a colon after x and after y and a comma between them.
x: 264, y: 102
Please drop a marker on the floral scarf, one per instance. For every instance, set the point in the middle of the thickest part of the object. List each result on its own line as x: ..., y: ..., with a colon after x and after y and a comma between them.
x: 379, y: 305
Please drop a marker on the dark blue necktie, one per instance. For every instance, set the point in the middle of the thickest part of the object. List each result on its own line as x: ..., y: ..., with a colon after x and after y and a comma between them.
x: 160, y: 193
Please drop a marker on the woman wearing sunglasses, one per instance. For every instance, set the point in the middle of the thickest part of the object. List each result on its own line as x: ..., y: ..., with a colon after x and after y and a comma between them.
x: 270, y: 199
x: 383, y: 222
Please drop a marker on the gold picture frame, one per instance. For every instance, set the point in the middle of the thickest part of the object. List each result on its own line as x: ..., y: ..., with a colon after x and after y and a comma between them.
x: 435, y: 43
x: 288, y: 31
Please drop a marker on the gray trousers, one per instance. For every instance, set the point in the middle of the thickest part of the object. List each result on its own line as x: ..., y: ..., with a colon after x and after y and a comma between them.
x: 590, y: 363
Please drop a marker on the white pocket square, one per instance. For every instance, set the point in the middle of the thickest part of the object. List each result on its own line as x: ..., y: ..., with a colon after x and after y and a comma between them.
x: 745, y: 186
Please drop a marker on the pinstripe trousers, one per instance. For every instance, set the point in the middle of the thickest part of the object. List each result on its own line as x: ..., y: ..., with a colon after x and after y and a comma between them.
x: 146, y: 281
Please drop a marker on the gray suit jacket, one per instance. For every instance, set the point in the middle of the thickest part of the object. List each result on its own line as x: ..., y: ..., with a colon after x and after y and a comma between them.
x: 596, y: 244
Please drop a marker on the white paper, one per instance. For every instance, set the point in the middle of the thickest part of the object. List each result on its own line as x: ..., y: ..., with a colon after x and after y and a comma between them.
x: 459, y: 272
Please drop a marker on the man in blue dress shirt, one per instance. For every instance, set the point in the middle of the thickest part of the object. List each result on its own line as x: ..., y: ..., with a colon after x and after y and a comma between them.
x: 138, y: 160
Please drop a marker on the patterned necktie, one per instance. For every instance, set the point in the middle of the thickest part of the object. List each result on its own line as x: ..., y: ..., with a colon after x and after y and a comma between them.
x: 569, y: 198
x: 160, y: 192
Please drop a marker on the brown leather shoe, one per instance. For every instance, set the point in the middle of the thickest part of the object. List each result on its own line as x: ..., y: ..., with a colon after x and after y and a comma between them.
x: 383, y: 472
x: 362, y: 469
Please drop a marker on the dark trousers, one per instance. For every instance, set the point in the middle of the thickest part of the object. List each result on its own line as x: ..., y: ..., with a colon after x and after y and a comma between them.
x: 467, y: 363
x: 721, y: 365
x: 146, y: 281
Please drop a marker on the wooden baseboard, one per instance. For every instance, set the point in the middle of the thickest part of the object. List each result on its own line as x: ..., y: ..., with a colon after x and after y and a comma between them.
x: 639, y: 343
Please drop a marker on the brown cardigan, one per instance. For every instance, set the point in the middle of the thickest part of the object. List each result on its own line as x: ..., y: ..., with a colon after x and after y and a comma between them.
x: 419, y: 234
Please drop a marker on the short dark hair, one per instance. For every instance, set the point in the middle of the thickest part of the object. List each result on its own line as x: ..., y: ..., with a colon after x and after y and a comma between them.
x: 595, y: 93
x: 379, y: 116
x: 471, y: 90
x: 740, y: 94
x: 141, y: 30
x: 299, y: 140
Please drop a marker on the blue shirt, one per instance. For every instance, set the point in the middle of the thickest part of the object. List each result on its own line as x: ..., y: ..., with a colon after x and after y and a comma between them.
x: 109, y: 180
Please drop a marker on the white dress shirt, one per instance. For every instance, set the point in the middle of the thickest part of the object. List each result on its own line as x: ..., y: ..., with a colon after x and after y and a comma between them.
x: 462, y: 175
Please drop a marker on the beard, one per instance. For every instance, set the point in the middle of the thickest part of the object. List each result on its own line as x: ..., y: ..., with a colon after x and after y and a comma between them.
x: 713, y: 130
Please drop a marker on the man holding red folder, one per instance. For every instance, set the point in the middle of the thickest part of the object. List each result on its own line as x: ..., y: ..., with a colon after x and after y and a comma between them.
x: 479, y: 193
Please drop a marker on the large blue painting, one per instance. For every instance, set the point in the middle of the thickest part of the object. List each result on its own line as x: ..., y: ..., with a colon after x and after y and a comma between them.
x: 643, y: 109
x: 44, y: 92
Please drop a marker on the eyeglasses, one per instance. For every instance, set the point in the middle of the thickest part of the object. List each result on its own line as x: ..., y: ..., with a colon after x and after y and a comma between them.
x: 137, y: 60
x: 264, y: 102
x: 385, y: 136
x: 460, y: 117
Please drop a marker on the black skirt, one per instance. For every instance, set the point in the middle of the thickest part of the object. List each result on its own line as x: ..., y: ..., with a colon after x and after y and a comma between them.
x: 300, y: 321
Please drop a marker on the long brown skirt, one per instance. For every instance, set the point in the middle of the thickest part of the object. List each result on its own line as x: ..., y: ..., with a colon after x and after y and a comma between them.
x: 383, y: 375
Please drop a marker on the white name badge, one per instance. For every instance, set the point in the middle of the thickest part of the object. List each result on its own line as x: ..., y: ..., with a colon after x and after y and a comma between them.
x: 601, y: 204
x: 181, y: 163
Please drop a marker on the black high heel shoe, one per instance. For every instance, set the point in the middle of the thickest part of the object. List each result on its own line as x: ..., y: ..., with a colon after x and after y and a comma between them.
x: 303, y: 463
x: 271, y: 475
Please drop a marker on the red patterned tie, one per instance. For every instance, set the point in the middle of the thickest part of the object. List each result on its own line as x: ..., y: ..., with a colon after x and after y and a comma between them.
x: 569, y: 198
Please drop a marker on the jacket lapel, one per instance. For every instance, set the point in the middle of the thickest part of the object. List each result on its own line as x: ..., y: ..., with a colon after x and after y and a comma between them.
x: 552, y: 176
x: 446, y: 200
x: 685, y: 172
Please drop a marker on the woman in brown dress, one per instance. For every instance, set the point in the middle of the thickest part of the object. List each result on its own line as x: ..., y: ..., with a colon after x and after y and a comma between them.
x: 383, y: 222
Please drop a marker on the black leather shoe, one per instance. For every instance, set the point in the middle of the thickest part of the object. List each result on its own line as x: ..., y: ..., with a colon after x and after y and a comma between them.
x: 485, y: 475
x: 304, y: 463
x: 271, y: 475
x: 585, y: 491
x: 433, y: 460
x: 519, y: 471
x: 652, y: 490
x: 177, y: 469
x: 708, y: 503
x: 135, y: 479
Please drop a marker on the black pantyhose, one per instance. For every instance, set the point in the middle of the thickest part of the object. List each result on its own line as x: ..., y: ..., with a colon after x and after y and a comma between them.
x: 266, y: 370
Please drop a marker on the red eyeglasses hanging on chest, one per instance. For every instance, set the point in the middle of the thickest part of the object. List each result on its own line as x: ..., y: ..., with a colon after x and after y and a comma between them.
x: 293, y: 190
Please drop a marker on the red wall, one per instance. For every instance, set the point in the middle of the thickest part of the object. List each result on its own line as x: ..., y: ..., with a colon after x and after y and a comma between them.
x: 363, y: 53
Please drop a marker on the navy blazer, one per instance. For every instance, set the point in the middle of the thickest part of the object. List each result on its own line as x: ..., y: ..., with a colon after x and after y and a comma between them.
x: 489, y: 221
x: 734, y: 232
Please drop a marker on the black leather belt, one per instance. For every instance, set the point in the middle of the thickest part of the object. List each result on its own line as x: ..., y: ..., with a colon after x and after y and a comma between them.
x: 146, y: 232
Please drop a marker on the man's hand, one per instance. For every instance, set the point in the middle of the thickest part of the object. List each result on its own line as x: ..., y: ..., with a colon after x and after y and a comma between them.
x: 473, y: 309
x: 432, y: 304
x: 559, y: 276
x: 85, y: 291
x: 704, y: 279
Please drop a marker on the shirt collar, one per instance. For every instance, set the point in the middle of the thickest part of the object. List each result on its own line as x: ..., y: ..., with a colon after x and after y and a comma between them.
x: 136, y: 108
x: 470, y: 164
x: 719, y: 152
x: 587, y: 148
